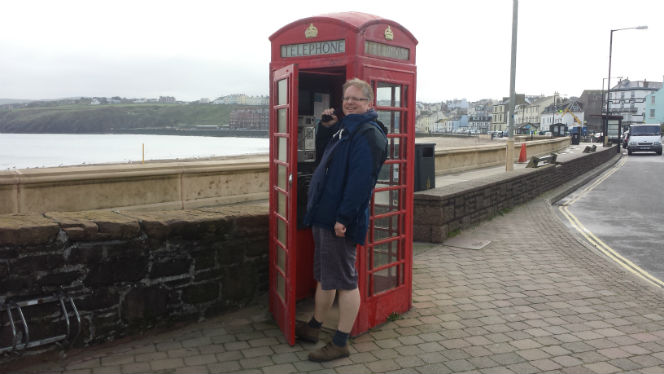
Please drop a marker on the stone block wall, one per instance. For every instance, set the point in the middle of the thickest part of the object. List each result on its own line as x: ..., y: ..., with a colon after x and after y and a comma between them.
x: 440, y: 211
x: 128, y: 272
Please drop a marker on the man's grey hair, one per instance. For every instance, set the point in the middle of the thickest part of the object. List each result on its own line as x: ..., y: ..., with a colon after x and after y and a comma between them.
x: 362, y: 85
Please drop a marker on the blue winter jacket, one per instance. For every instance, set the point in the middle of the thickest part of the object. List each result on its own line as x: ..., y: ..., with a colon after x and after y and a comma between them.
x: 341, y: 186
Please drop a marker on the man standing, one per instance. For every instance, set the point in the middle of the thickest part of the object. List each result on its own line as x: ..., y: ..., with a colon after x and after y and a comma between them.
x: 338, y: 211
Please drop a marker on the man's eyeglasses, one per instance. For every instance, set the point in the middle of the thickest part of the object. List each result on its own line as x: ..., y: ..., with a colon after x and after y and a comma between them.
x: 355, y: 99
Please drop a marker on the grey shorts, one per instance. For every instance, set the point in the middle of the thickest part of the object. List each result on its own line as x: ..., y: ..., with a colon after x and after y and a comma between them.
x: 334, y: 260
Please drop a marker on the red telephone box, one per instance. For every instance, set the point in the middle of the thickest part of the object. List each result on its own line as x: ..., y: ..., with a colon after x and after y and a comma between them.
x: 311, y: 60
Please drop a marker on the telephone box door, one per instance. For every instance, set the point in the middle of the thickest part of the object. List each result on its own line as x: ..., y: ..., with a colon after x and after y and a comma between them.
x: 283, y: 159
x: 386, y: 260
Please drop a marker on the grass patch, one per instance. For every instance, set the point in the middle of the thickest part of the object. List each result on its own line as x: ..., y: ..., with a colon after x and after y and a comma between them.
x: 393, y: 316
x: 502, y: 212
x: 453, y: 233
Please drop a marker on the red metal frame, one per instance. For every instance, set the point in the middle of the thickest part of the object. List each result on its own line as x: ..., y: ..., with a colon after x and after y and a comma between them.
x: 283, y: 308
x: 355, y: 29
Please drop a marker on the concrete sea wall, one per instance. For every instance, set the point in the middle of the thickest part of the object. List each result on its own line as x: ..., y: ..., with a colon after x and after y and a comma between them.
x: 189, y: 184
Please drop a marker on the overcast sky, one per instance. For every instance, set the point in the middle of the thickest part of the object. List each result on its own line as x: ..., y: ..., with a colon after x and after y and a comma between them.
x: 205, y: 49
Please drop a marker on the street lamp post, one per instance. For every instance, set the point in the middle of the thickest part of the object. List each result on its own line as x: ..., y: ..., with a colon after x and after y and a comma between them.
x: 608, y: 85
x: 601, y: 107
x: 509, y: 152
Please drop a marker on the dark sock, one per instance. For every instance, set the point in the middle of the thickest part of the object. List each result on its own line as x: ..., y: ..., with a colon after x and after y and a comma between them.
x: 315, y: 324
x: 340, y: 338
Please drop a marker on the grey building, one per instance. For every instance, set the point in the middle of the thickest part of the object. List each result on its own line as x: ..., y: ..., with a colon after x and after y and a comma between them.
x: 592, y: 104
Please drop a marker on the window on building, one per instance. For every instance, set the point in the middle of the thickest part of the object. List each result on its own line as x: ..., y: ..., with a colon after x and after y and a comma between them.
x: 652, y: 99
x: 633, y: 94
x: 652, y: 112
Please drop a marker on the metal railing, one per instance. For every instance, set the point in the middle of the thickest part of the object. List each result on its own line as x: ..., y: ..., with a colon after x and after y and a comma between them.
x: 20, y: 331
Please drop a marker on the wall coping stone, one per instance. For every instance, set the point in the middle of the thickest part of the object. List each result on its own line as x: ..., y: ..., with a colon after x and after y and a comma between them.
x: 101, y: 225
x: 27, y: 229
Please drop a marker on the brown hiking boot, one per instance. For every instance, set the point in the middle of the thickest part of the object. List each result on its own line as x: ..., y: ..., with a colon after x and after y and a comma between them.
x: 305, y: 332
x: 328, y: 352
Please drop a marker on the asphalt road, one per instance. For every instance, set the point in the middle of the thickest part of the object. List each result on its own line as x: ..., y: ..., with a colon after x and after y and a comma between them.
x: 621, y: 213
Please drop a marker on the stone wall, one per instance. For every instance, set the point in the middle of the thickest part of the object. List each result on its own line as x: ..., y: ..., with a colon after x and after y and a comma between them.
x: 440, y: 211
x: 132, y: 271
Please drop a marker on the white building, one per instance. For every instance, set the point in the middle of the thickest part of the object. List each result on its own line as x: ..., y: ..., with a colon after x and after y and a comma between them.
x: 428, y: 122
x: 569, y: 113
x: 628, y: 99
x: 457, y: 104
x: 242, y: 99
x: 499, y: 116
x: 528, y: 116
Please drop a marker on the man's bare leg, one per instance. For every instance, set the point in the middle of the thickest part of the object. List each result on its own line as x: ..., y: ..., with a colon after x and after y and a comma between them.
x: 323, y: 301
x: 349, y: 305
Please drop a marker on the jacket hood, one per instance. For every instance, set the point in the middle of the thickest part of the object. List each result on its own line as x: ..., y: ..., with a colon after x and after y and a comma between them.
x: 352, y: 121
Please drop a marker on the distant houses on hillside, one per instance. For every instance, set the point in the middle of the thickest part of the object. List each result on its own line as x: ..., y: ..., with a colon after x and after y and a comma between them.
x: 242, y: 99
x: 234, y: 99
x: 636, y: 101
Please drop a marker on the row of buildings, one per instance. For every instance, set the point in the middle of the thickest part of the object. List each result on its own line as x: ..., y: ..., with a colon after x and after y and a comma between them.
x: 635, y: 101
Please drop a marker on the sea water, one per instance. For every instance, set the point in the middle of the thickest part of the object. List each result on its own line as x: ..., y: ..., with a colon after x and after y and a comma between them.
x: 22, y: 151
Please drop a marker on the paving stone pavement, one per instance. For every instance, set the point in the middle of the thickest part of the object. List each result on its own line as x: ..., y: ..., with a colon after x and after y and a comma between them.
x: 535, y: 300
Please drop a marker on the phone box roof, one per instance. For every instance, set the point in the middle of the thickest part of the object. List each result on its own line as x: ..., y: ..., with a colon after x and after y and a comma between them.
x: 353, y: 27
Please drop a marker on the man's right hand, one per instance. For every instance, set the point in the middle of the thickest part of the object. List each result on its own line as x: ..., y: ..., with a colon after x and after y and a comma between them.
x: 329, y: 112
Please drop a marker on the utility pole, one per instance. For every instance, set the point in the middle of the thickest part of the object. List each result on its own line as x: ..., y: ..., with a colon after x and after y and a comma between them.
x: 509, y: 154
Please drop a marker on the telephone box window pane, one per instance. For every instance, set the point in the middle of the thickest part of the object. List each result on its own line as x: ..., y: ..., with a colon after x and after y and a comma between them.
x: 281, y: 204
x: 283, y: 92
x: 388, y: 175
x: 386, y: 227
x: 281, y: 121
x: 281, y: 231
x: 386, y: 253
x: 397, y: 122
x: 281, y: 176
x: 281, y: 287
x: 282, y: 149
x: 388, y: 94
x: 391, y: 120
x: 383, y: 95
x: 281, y: 259
x: 394, y: 151
x: 386, y: 201
x: 387, y: 279
x: 405, y: 97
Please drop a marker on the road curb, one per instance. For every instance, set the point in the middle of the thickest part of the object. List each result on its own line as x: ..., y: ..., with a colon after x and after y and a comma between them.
x: 569, y: 187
